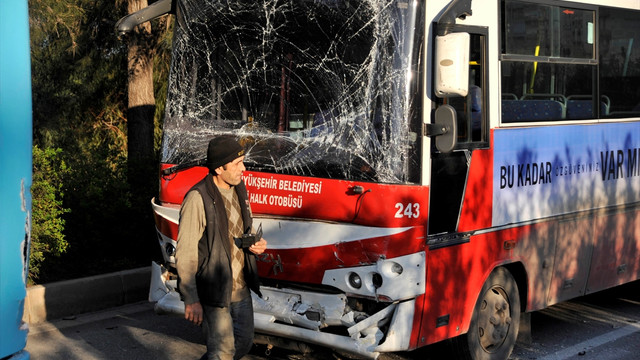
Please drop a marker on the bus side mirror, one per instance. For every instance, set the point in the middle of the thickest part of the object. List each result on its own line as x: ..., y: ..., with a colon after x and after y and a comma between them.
x: 157, y: 9
x: 444, y: 129
x: 452, y: 65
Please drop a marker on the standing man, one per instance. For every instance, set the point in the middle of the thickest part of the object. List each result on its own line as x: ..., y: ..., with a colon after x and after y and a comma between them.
x: 215, y: 276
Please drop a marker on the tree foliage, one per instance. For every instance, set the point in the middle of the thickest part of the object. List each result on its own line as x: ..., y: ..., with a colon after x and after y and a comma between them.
x: 47, y: 237
x: 79, y: 75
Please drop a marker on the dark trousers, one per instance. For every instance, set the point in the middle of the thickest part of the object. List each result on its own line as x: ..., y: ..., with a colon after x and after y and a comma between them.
x: 228, y: 330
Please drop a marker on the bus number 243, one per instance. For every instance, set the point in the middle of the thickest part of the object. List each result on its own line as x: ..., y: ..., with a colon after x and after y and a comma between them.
x: 409, y: 210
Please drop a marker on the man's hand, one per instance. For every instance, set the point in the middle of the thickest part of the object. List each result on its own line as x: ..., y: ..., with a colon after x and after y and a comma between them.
x: 259, y: 247
x: 193, y: 313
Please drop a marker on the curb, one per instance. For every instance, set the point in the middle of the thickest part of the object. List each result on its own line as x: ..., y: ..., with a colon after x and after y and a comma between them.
x: 71, y: 297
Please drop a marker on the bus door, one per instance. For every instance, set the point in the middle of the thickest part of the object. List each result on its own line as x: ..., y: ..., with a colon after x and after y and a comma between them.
x: 450, y: 170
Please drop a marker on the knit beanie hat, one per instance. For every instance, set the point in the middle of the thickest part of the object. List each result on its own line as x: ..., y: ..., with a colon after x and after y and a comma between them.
x: 221, y: 151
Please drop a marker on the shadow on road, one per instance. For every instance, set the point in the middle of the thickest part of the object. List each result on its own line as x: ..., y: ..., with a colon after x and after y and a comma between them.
x: 136, y: 332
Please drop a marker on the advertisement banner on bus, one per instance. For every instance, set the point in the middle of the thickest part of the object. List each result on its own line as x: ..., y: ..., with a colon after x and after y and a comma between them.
x: 548, y: 171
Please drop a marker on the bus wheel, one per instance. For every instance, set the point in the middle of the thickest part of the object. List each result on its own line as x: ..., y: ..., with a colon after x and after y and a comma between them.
x: 493, y: 329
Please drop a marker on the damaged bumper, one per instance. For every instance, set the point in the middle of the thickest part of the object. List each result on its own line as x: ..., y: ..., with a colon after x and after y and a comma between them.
x: 300, y: 315
x: 364, y: 338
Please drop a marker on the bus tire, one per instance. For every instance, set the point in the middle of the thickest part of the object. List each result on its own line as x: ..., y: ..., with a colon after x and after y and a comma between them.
x: 493, y: 329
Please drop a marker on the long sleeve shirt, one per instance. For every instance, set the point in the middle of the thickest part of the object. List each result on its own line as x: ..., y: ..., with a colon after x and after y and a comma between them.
x: 192, y: 225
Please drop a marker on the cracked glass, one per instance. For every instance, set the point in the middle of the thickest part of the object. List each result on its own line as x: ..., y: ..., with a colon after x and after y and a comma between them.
x: 324, y: 88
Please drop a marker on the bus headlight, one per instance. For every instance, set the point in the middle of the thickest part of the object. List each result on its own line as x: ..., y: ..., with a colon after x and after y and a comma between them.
x: 170, y: 249
x: 396, y: 268
x: 391, y: 269
x: 355, y: 281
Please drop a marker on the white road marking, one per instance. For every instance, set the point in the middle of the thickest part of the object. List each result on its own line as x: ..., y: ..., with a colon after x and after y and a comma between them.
x: 593, y: 343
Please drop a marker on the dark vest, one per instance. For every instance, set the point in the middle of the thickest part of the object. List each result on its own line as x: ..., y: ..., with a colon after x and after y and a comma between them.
x: 214, y: 278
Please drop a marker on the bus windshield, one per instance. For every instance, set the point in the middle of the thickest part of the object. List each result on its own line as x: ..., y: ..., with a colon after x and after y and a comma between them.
x: 326, y: 88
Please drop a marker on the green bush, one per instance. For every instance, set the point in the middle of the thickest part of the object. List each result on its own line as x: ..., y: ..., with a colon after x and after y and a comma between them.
x: 47, y: 230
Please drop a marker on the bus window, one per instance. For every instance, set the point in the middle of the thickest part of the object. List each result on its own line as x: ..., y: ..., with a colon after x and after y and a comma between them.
x: 470, y: 109
x: 548, y: 66
x: 539, y: 89
x: 548, y: 31
x: 619, y: 49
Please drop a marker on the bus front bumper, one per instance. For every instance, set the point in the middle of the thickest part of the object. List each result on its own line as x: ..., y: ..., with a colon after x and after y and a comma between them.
x: 301, y: 315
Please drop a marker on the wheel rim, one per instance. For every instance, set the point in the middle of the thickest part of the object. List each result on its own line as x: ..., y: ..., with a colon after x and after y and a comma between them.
x: 494, y: 319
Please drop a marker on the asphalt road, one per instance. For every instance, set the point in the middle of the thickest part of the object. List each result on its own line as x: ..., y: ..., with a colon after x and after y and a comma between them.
x: 604, y: 326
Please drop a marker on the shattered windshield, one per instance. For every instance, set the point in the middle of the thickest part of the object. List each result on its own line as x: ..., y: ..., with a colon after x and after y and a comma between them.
x: 326, y: 88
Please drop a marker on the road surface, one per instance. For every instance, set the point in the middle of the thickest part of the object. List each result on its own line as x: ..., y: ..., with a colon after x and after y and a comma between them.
x: 604, y: 326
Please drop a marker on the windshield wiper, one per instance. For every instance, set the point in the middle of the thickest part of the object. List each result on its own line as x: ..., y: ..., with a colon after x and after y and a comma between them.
x: 188, y: 165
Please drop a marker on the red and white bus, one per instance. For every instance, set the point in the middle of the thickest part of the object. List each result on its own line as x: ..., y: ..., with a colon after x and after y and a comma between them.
x: 422, y: 170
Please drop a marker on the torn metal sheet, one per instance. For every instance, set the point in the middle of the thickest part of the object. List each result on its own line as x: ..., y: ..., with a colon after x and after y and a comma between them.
x: 163, y: 291
x: 307, y: 309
